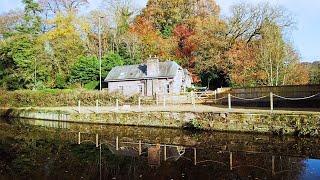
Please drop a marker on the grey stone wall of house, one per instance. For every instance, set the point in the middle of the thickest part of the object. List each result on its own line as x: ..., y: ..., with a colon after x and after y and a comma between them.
x: 127, y: 88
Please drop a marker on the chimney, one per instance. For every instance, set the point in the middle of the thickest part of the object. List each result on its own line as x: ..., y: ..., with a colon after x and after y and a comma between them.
x: 153, y: 67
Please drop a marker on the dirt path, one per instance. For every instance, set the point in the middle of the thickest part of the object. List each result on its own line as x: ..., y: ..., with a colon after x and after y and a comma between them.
x: 172, y: 108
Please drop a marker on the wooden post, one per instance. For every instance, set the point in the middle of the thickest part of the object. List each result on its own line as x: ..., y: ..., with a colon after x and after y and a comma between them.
x: 229, y: 101
x: 165, y: 152
x: 230, y: 157
x: 157, y: 99
x: 97, y: 106
x: 79, y: 106
x: 139, y: 103
x: 117, y: 104
x: 273, y: 172
x: 79, y: 137
x: 97, y: 140
x: 140, y: 148
x: 100, y: 160
x: 195, y: 156
x: 117, y: 143
x: 193, y: 100
x: 215, y: 96
x: 271, y: 101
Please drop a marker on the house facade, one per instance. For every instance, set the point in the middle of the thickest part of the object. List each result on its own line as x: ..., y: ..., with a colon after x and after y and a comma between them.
x: 149, y: 79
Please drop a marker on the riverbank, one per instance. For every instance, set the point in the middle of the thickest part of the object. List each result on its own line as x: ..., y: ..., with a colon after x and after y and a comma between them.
x: 199, y: 117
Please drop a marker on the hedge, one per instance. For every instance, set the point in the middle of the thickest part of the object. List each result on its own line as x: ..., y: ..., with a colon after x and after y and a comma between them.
x: 56, y: 98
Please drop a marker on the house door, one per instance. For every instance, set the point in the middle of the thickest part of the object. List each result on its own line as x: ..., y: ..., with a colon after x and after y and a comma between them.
x: 141, y: 89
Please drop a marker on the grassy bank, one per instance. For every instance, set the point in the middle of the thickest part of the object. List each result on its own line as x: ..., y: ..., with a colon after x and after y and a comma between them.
x: 54, y: 98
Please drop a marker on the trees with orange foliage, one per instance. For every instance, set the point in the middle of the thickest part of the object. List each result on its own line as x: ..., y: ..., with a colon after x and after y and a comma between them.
x: 150, y: 41
x: 244, y: 71
x: 184, y: 46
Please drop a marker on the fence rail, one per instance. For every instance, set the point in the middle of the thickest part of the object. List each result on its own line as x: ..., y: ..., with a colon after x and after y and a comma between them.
x: 253, y: 97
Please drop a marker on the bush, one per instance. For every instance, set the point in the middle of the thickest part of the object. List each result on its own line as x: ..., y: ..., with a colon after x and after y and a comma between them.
x: 92, y: 85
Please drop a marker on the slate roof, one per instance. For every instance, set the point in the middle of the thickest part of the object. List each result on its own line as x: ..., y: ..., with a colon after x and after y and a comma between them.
x: 130, y: 72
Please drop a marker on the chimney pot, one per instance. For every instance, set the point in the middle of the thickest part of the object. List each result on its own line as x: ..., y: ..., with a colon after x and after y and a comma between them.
x: 152, y: 67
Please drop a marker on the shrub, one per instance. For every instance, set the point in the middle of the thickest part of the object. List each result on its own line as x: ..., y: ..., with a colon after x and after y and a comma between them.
x: 92, y: 85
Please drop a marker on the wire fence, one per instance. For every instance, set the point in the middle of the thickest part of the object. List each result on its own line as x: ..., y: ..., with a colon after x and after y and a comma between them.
x: 271, y: 100
x: 267, y: 100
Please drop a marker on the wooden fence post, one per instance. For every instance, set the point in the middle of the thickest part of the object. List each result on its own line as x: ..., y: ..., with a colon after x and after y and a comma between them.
x: 79, y: 106
x: 195, y: 156
x: 193, y: 100
x: 230, y: 158
x: 215, y: 96
x: 271, y: 101
x: 157, y: 99
x: 139, y: 103
x: 140, y: 148
x: 191, y: 96
x: 97, y: 106
x: 272, y: 166
x: 117, y: 104
x: 229, y: 101
x: 79, y: 137
x: 97, y: 140
x: 117, y: 143
x: 165, y: 152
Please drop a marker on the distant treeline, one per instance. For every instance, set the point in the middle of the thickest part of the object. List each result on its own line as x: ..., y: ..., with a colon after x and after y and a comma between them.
x: 314, y: 68
x: 54, y: 44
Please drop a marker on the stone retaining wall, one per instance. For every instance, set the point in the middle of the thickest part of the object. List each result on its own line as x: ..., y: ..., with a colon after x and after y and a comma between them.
x: 300, y: 124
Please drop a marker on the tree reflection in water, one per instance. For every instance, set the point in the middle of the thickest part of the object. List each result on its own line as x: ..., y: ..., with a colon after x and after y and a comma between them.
x: 149, y: 153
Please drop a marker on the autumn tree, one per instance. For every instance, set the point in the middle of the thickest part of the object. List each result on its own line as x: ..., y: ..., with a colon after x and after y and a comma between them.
x: 257, y: 49
x: 63, y: 45
x: 245, y: 71
x: 150, y: 41
x: 166, y: 14
x: 52, y: 7
x: 121, y: 14
x: 247, y: 20
x: 9, y: 22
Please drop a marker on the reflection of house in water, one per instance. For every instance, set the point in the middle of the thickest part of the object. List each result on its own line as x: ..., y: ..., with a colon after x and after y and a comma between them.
x: 155, y: 153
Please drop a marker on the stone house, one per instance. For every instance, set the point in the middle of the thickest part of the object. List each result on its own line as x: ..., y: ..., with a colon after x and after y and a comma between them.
x: 149, y: 79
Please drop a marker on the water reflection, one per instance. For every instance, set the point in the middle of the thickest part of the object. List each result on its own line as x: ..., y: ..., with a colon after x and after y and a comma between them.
x: 115, y: 152
x: 233, y: 163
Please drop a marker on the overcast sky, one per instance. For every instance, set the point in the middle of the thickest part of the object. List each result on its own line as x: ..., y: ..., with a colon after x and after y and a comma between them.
x: 305, y: 38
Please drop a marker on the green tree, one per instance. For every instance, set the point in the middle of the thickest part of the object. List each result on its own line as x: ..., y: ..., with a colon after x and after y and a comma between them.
x: 19, y: 51
x: 63, y: 46
x: 87, y: 69
x: 31, y: 19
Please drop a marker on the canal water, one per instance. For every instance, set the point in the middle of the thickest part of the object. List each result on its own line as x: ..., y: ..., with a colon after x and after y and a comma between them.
x: 37, y: 149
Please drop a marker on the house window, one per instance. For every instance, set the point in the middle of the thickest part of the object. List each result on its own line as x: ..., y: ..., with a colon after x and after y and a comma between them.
x: 140, y: 88
x: 168, y: 88
x: 120, y: 89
